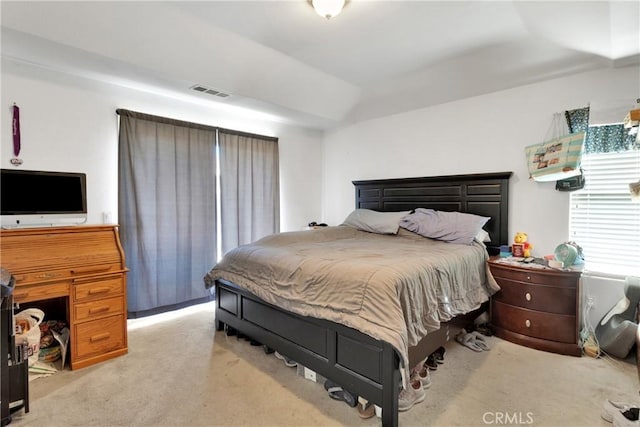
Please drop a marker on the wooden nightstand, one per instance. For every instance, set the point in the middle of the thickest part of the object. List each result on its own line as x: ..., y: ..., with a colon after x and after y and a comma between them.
x: 537, y: 308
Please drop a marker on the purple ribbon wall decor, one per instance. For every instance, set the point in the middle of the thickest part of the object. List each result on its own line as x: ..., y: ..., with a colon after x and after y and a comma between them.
x: 16, y: 130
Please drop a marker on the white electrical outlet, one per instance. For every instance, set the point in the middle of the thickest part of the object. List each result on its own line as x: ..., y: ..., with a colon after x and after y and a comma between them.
x: 591, y: 301
x: 309, y: 374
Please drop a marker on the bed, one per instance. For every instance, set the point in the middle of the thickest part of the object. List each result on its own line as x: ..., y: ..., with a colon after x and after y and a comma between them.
x: 331, y: 340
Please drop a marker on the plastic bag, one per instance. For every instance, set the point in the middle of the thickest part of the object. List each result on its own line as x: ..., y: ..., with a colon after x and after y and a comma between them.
x: 28, y: 328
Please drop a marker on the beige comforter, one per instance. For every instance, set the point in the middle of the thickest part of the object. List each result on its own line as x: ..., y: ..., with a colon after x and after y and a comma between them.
x: 395, y: 288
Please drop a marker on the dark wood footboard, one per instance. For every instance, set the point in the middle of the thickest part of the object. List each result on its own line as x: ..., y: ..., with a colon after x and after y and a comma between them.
x: 361, y: 364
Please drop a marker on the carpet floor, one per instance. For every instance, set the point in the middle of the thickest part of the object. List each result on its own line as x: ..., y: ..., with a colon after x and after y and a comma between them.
x: 181, y: 372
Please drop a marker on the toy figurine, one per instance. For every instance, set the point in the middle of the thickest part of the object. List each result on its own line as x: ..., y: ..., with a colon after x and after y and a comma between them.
x: 520, y: 240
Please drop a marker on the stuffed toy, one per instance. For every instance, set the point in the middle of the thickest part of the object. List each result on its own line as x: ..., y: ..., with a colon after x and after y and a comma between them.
x: 521, y: 239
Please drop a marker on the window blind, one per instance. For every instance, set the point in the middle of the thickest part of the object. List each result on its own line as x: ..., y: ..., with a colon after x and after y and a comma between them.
x: 603, y: 219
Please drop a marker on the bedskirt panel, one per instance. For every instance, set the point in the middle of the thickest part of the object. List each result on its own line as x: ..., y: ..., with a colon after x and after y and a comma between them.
x: 293, y: 328
x: 359, y: 363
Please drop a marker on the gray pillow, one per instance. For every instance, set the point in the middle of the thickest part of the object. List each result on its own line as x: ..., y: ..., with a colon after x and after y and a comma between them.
x: 452, y: 227
x: 374, y: 221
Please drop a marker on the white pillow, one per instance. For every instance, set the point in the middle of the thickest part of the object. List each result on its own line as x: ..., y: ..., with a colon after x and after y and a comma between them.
x: 374, y: 221
x: 483, y: 236
x: 452, y: 227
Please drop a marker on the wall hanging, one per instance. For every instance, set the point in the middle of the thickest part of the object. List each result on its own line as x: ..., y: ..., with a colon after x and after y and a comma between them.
x: 559, y: 156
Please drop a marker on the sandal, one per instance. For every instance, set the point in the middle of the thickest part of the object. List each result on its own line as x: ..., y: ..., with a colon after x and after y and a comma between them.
x: 338, y: 393
x: 367, y: 410
x: 468, y: 340
x: 480, y: 340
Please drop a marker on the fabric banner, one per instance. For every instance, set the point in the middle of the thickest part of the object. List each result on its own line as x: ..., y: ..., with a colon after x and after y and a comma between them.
x: 556, y: 159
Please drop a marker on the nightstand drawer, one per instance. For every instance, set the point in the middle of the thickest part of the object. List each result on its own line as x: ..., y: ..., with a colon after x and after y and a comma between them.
x: 553, y: 327
x: 551, y: 299
x: 531, y: 275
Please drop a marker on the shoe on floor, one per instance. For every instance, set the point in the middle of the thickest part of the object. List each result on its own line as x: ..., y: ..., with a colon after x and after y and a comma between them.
x: 287, y: 362
x: 431, y: 362
x: 421, y: 374
x: 366, y: 410
x: 439, y: 355
x: 628, y: 418
x: 609, y: 408
x: 409, y: 397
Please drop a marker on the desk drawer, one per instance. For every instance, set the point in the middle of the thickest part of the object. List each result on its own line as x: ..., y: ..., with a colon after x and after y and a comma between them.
x: 40, y: 292
x: 97, y: 288
x: 100, y: 336
x: 98, y: 309
x: 554, y: 327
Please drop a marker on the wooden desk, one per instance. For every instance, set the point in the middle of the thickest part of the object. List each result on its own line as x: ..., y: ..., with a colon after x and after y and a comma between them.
x: 83, y: 265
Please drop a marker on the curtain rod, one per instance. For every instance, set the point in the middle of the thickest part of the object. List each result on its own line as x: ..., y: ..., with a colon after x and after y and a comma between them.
x: 166, y: 120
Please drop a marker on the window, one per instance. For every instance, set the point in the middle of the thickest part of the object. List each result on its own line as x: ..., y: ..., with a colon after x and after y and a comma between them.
x: 603, y: 219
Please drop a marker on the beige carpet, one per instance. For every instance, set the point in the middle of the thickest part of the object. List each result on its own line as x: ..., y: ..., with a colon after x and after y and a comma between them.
x: 182, y: 373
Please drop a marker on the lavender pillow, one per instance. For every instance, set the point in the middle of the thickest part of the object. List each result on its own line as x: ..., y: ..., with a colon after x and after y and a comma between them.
x: 374, y: 221
x: 452, y: 227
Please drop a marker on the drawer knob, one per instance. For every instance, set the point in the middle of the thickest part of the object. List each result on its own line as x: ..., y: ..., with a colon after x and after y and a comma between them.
x: 527, y: 296
x: 528, y: 277
x: 100, y: 337
x: 527, y: 323
x: 97, y: 310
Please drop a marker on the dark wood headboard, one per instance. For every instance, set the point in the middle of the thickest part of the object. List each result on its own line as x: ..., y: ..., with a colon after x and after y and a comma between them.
x: 484, y: 194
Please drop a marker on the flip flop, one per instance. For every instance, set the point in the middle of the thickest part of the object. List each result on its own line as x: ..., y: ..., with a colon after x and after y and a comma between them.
x: 468, y: 340
x: 480, y: 340
x: 367, y: 410
x: 336, y: 392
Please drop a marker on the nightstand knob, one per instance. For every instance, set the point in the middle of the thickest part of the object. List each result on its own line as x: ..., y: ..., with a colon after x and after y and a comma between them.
x: 527, y: 296
x: 528, y: 277
x: 527, y: 323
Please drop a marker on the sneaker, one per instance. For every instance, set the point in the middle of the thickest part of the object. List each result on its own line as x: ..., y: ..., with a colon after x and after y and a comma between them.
x: 409, y: 397
x: 287, y: 362
x: 439, y: 355
x: 609, y: 408
x: 431, y: 362
x: 628, y: 418
x: 422, y: 375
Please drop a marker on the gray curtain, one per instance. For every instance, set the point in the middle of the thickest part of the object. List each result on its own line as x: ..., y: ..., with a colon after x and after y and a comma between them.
x: 249, y: 188
x: 167, y: 210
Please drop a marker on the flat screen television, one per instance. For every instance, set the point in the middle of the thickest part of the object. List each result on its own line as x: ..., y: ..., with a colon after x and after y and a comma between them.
x: 39, y: 198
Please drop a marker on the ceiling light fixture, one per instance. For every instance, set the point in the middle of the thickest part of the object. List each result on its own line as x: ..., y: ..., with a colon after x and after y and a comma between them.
x: 328, y: 8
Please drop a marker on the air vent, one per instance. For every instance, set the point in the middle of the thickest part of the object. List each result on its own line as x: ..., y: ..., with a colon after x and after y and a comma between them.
x: 213, y: 92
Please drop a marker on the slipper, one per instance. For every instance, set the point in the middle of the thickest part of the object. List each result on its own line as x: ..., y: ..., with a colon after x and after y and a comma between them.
x: 338, y: 393
x: 467, y: 340
x: 367, y: 410
x: 480, y: 340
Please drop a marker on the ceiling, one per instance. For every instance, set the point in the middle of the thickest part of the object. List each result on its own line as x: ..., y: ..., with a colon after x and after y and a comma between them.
x: 282, y: 60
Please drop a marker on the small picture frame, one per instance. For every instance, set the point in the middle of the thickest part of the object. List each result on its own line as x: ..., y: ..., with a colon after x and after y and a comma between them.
x: 517, y: 250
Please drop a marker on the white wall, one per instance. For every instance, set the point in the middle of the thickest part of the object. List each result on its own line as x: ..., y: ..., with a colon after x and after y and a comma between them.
x: 69, y: 124
x: 482, y: 134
